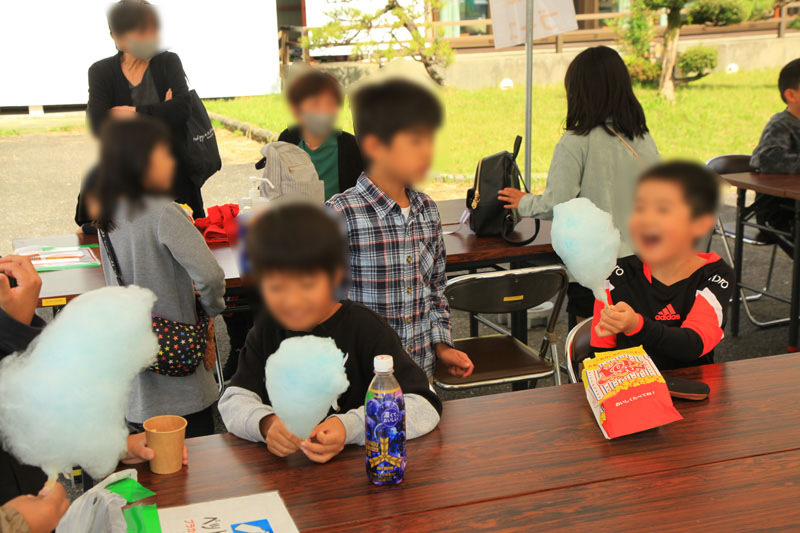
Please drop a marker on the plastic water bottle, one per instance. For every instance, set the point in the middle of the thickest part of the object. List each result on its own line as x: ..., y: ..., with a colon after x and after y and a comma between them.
x: 385, y: 420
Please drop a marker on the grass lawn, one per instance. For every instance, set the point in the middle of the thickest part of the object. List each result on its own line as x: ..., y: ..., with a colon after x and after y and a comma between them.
x: 722, y: 113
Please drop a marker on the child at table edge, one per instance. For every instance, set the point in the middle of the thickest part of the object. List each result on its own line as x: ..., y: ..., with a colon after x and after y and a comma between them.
x: 778, y: 152
x: 299, y: 255
x: 19, y: 326
x: 669, y: 298
x: 397, y: 250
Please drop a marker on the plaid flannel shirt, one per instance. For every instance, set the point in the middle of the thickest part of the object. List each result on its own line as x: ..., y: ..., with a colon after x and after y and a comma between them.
x: 398, y: 265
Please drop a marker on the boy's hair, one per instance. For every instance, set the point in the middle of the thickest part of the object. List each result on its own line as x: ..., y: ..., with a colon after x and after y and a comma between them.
x: 296, y: 235
x: 125, y: 150
x: 789, y: 77
x: 311, y: 83
x: 385, y: 108
x: 127, y: 15
x: 699, y: 183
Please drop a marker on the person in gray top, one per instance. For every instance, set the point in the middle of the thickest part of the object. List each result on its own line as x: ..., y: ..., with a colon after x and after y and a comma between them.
x: 157, y: 247
x: 605, y: 147
x: 778, y: 152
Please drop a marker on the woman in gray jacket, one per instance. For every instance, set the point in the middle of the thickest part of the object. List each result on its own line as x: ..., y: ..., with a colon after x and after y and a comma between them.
x: 157, y: 247
x: 605, y: 147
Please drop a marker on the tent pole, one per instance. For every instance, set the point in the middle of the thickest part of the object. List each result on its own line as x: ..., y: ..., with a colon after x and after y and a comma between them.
x: 528, y: 91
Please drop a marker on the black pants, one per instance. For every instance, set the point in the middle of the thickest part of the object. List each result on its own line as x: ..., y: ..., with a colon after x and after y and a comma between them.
x: 777, y: 213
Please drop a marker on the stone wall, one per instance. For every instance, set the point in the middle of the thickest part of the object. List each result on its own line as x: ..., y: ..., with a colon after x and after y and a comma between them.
x: 488, y: 69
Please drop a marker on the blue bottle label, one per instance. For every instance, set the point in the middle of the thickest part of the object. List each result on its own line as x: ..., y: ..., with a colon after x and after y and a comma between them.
x: 385, y: 436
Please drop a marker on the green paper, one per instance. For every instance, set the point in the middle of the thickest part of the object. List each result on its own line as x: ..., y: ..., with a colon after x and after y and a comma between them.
x: 142, y: 519
x: 130, y: 489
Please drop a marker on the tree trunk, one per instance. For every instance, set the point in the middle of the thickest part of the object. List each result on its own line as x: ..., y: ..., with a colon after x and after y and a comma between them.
x: 670, y: 56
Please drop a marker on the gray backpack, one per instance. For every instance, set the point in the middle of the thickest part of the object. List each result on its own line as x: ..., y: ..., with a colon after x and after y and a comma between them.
x: 288, y: 170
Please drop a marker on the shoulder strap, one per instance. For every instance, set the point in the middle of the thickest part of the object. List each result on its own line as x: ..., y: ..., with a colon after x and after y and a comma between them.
x: 627, y: 145
x: 112, y: 256
x: 508, y: 221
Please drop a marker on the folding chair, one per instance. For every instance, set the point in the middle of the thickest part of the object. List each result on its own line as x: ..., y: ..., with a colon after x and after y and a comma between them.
x: 730, y: 164
x: 578, y: 348
x: 502, y: 358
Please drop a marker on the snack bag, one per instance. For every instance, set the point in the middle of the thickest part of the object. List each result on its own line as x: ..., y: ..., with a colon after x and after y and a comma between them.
x: 627, y: 392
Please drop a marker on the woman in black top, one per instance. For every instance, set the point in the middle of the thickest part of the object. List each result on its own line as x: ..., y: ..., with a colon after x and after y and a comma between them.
x: 139, y: 79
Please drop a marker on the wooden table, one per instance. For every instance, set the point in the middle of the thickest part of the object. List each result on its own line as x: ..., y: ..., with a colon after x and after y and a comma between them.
x: 60, y: 287
x: 465, y: 251
x: 781, y: 186
x: 536, y: 460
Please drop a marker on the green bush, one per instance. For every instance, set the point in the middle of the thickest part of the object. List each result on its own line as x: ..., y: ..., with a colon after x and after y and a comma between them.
x: 635, y: 31
x: 698, y: 60
x: 759, y: 9
x: 643, y: 70
x: 719, y: 12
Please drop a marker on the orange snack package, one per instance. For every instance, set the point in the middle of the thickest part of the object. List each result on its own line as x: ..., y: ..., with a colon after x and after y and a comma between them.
x: 627, y: 392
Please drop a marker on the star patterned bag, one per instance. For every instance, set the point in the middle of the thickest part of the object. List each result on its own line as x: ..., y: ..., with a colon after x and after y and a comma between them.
x: 182, y: 346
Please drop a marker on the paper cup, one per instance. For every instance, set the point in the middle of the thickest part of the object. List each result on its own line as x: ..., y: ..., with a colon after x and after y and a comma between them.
x: 165, y: 436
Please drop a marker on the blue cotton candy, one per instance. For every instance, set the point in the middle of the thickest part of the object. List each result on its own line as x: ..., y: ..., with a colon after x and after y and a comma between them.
x: 584, y: 237
x: 304, y: 379
x: 63, y: 400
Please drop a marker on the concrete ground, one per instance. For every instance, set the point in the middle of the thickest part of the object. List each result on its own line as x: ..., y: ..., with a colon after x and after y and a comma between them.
x: 40, y: 174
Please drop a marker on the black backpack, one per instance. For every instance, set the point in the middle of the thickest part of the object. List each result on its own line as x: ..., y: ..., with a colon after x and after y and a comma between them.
x: 201, y: 150
x: 488, y: 215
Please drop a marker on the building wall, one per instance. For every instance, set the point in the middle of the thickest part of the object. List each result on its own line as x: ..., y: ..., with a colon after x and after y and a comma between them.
x: 478, y: 70
x: 46, y: 47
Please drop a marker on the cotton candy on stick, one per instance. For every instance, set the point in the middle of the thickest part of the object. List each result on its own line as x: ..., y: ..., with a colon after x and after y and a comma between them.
x: 63, y: 400
x: 304, y: 378
x: 585, y: 238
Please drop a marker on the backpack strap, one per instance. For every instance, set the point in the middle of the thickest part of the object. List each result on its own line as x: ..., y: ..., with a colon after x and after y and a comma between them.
x: 627, y: 145
x: 112, y: 256
x: 517, y: 144
x: 508, y: 221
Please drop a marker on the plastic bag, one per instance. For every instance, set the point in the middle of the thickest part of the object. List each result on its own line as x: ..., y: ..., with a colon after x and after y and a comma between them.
x: 98, y: 510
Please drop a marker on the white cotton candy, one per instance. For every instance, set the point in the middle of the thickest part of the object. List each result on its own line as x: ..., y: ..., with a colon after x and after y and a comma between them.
x: 63, y: 400
x: 304, y: 379
x: 584, y: 237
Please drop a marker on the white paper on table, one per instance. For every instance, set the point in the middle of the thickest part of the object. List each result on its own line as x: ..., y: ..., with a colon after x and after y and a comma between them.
x: 550, y: 17
x: 257, y: 513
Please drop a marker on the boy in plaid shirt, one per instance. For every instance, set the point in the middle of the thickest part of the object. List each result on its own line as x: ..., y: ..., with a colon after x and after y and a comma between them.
x: 396, y: 247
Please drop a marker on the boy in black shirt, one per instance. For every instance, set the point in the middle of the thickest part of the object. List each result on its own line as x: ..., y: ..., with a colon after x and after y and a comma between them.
x: 778, y: 152
x: 299, y: 254
x: 670, y: 299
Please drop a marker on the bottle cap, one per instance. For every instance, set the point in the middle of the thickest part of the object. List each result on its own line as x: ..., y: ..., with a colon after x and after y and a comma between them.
x: 383, y: 363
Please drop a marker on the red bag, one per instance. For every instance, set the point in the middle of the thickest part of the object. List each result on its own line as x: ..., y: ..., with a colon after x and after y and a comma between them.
x: 220, y: 224
x: 627, y: 392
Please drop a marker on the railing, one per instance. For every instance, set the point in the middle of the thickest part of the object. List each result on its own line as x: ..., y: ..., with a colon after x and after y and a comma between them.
x: 778, y: 23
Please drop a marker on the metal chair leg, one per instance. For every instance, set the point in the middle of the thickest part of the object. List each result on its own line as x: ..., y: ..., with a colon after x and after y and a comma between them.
x: 556, y: 364
x: 746, y: 299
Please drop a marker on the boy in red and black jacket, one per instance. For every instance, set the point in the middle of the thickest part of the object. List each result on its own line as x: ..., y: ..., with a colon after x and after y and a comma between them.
x: 669, y: 298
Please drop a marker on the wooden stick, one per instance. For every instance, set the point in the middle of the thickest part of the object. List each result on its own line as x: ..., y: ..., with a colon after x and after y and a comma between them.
x: 51, y: 482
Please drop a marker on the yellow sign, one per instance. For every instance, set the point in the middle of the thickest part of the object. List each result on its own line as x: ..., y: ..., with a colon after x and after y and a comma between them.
x: 514, y: 298
x: 50, y: 302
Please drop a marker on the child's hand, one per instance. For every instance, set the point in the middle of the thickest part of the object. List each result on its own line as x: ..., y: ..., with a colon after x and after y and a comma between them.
x: 458, y: 363
x: 138, y: 452
x: 280, y: 441
x: 123, y: 111
x: 510, y: 196
x: 616, y: 319
x: 19, y: 302
x: 326, y: 441
x: 43, y: 512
